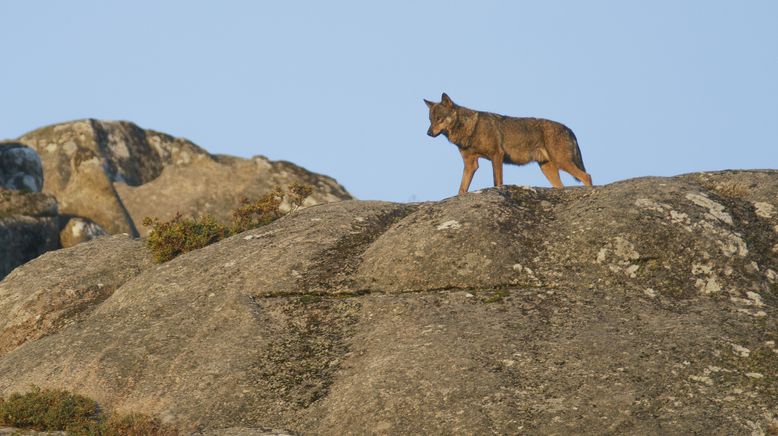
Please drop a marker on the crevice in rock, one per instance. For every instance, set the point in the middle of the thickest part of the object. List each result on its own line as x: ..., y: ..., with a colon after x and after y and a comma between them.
x: 142, y: 163
x: 337, y: 264
x: 101, y: 141
x: 344, y: 294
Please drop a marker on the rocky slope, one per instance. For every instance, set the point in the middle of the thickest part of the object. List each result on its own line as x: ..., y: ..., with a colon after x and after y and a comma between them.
x: 642, y: 307
x: 116, y: 173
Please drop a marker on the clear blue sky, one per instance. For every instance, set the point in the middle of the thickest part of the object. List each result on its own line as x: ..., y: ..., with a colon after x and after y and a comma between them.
x: 649, y: 87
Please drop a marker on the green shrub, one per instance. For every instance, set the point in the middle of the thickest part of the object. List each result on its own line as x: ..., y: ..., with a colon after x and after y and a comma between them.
x: 60, y: 410
x: 169, y: 239
x: 298, y: 192
x: 47, y: 410
x: 250, y: 215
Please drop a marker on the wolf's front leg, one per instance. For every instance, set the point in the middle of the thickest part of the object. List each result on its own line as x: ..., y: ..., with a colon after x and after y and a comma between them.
x: 471, y: 164
x: 497, y: 161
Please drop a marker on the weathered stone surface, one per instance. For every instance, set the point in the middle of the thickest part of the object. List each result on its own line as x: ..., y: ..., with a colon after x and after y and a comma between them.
x: 642, y: 307
x: 20, y: 168
x: 482, y: 237
x: 60, y: 288
x: 78, y: 230
x: 28, y: 227
x: 115, y: 174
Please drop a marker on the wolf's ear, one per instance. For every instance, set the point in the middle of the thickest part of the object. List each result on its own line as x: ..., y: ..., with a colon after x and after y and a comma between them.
x: 429, y: 103
x: 446, y: 100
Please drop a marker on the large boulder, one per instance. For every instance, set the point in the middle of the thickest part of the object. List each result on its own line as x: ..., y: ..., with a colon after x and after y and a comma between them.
x: 29, y: 226
x: 643, y: 307
x: 20, y: 168
x: 79, y: 171
x: 116, y: 173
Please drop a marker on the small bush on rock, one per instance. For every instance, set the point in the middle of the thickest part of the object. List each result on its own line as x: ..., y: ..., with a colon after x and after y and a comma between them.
x: 252, y: 214
x: 169, y: 239
x: 298, y: 192
x: 47, y: 410
x: 60, y: 410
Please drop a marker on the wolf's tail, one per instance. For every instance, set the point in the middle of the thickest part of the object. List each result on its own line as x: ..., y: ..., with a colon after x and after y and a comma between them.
x: 577, y: 158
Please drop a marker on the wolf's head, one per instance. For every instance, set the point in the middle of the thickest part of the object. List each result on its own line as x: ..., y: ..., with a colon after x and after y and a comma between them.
x: 442, y: 116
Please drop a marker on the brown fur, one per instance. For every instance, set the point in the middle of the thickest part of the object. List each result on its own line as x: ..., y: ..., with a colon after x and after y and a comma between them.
x: 503, y: 139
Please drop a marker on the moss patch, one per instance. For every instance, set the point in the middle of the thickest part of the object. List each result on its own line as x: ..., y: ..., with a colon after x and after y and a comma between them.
x: 496, y: 296
x: 306, y: 350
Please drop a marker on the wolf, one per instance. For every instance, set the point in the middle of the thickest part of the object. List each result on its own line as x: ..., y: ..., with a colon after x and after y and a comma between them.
x: 502, y: 139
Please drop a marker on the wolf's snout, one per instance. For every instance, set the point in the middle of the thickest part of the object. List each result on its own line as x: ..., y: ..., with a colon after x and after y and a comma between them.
x: 432, y: 133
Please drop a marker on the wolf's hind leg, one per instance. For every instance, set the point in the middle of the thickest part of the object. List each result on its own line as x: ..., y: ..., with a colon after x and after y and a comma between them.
x: 551, y: 171
x: 578, y: 173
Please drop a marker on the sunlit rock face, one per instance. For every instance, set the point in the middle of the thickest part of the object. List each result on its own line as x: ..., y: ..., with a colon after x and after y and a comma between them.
x: 646, y: 306
x: 115, y: 173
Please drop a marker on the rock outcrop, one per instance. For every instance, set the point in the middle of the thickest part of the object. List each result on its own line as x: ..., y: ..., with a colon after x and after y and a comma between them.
x: 29, y: 226
x: 20, y: 168
x: 114, y: 173
x: 643, y: 307
x: 79, y: 171
x: 28, y: 218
